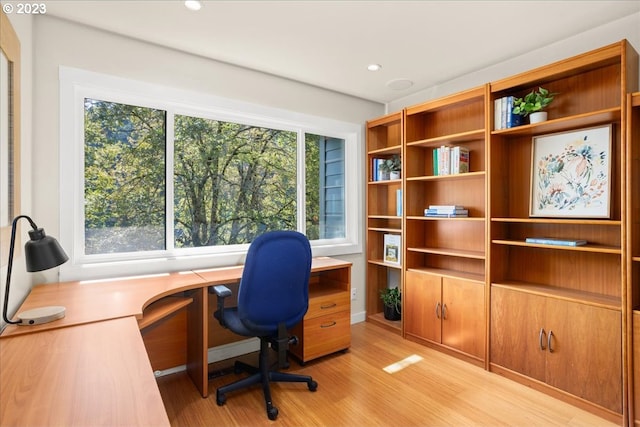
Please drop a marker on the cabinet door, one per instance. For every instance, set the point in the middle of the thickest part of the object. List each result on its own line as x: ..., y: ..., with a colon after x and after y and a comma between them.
x: 463, y: 318
x: 516, y: 320
x: 421, y: 306
x: 585, y: 358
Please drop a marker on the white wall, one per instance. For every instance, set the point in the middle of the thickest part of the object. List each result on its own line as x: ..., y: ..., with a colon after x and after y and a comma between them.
x: 625, y: 28
x: 62, y: 43
x: 20, y: 279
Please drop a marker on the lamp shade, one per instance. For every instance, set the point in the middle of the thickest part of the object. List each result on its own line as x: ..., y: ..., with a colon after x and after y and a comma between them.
x: 43, y: 252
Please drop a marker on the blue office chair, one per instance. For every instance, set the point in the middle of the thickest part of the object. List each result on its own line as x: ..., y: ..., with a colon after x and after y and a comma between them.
x: 272, y: 298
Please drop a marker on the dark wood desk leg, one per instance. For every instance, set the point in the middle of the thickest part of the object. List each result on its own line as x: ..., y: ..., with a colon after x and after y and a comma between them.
x: 197, y: 341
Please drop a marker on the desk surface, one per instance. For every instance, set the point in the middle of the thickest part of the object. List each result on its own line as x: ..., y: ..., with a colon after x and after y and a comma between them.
x: 95, y: 374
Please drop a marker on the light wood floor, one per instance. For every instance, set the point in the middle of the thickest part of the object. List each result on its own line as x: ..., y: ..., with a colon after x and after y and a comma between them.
x: 354, y: 391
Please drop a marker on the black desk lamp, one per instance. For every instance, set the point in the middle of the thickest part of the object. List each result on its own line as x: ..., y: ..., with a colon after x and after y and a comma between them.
x: 42, y: 252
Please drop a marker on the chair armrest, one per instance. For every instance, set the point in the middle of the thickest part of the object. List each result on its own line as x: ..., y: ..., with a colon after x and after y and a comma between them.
x: 221, y: 291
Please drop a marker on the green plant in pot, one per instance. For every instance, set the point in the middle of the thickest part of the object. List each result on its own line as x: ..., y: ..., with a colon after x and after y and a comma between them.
x: 391, y: 167
x: 533, y: 104
x: 391, y: 298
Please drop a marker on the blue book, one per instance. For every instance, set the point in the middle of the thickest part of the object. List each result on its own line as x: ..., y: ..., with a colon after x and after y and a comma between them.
x: 555, y: 241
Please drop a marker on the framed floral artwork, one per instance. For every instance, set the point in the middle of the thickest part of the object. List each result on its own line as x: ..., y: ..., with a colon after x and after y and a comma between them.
x: 571, y: 174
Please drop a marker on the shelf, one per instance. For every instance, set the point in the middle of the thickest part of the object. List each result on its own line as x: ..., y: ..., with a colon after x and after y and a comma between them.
x: 455, y: 138
x: 564, y: 124
x: 386, y: 182
x: 597, y: 300
x: 467, y: 175
x: 385, y: 230
x: 450, y: 273
x: 450, y: 252
x: 584, y: 248
x: 394, y: 149
x: 384, y: 217
x: 430, y: 218
x: 378, y: 318
x: 381, y: 263
x: 162, y: 309
x: 636, y: 258
x: 567, y: 221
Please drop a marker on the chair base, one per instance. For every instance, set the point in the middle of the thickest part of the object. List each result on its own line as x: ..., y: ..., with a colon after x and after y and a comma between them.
x: 262, y: 375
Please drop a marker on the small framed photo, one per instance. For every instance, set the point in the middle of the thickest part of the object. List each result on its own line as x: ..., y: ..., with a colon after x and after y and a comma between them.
x: 571, y: 174
x: 392, y: 249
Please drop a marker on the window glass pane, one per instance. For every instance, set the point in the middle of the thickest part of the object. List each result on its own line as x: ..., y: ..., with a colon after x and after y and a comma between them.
x: 232, y: 182
x: 124, y: 177
x: 325, y: 181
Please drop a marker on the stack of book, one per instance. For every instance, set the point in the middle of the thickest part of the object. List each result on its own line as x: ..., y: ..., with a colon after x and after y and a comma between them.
x: 556, y: 241
x: 450, y: 160
x: 446, y: 211
x: 503, y: 114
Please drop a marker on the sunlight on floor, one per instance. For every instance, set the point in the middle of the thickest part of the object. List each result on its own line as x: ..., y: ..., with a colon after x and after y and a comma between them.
x: 398, y: 366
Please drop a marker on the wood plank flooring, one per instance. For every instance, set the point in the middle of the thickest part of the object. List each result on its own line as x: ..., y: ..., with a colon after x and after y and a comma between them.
x: 354, y: 391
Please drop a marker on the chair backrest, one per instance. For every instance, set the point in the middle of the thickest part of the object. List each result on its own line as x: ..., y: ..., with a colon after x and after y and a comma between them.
x: 275, y: 282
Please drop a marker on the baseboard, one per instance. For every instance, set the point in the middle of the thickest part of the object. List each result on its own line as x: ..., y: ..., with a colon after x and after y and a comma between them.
x: 221, y: 352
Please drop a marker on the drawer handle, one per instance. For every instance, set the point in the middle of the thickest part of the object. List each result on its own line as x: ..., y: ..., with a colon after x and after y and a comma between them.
x: 329, y: 325
x: 437, y: 310
x: 326, y: 306
x: 541, y: 338
x: 549, y: 342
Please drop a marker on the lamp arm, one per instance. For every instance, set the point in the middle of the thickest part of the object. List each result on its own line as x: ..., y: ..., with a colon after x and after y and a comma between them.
x: 10, y: 266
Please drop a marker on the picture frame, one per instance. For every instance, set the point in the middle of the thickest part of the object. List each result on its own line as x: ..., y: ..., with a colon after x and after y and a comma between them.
x: 392, y: 249
x: 571, y: 174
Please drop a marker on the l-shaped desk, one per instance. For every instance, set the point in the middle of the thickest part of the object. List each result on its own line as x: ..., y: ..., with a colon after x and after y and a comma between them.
x: 91, y: 367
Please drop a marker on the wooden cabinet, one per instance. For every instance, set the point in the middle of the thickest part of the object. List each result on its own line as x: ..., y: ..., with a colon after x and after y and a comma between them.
x: 570, y: 281
x: 566, y: 344
x: 633, y: 241
x: 384, y: 216
x: 446, y: 311
x: 326, y: 327
x: 447, y: 251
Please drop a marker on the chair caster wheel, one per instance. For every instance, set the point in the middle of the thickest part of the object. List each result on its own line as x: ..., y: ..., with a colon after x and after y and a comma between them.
x: 221, y: 399
x: 272, y: 413
x: 313, y: 386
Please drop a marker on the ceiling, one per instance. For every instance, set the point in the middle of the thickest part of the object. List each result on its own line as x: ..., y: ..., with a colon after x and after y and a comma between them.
x: 330, y: 43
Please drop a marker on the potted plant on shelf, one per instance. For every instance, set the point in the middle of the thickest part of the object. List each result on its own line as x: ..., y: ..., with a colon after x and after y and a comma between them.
x: 391, y: 298
x: 391, y: 167
x: 533, y: 105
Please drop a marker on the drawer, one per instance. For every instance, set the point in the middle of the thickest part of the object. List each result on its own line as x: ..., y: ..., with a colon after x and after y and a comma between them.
x: 321, y: 304
x: 323, y: 335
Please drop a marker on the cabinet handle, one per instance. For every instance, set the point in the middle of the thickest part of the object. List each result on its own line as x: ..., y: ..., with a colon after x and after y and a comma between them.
x: 438, y: 310
x: 541, y: 339
x: 328, y: 325
x: 330, y: 305
x: 549, y: 342
x: 444, y: 311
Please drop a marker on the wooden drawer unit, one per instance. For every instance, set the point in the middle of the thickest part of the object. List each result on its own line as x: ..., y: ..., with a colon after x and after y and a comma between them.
x: 326, y: 327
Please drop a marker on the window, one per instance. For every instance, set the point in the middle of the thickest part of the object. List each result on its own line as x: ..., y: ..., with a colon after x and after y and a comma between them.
x: 188, y: 181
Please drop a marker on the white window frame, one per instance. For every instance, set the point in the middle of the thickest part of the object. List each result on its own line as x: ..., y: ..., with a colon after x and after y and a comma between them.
x: 76, y: 85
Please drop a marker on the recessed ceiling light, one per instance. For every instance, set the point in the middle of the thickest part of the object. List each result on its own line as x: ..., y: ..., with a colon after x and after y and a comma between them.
x: 374, y: 67
x: 192, y: 4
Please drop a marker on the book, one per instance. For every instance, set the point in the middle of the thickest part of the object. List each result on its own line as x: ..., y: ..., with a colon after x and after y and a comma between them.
x: 398, y: 202
x: 443, y: 215
x: 556, y: 241
x: 459, y: 160
x: 447, y: 211
x: 391, y: 250
x: 446, y: 207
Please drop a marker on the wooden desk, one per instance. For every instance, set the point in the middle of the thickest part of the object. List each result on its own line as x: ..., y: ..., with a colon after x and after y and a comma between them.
x: 93, y: 374
x: 89, y: 305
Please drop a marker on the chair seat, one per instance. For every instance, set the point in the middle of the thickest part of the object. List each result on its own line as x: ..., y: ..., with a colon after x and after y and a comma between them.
x: 234, y: 324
